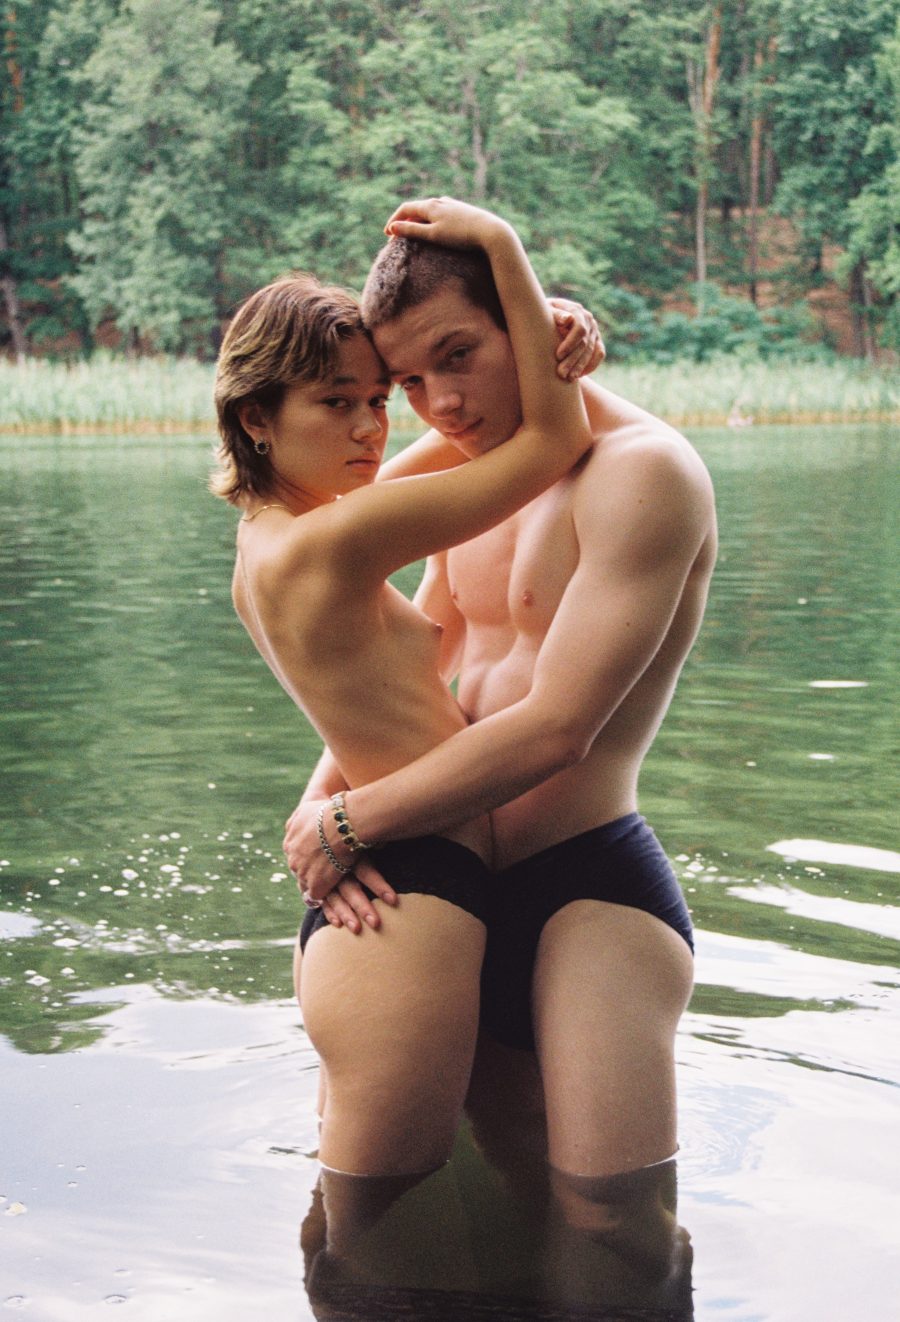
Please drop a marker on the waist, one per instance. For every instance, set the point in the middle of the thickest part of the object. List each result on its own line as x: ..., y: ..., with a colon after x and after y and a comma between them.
x: 577, y: 800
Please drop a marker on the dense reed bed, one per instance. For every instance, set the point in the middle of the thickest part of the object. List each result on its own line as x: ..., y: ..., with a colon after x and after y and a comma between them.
x: 113, y: 394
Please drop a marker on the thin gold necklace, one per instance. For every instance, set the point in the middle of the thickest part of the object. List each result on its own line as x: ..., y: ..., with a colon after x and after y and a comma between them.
x: 248, y: 518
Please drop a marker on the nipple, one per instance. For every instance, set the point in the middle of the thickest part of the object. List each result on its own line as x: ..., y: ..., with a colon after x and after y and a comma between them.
x: 527, y: 597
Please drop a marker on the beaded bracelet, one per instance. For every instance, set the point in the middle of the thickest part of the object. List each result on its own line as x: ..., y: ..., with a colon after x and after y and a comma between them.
x: 326, y: 847
x: 344, y: 826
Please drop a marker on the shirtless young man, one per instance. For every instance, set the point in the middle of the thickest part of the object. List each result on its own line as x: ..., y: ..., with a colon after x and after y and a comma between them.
x: 567, y: 626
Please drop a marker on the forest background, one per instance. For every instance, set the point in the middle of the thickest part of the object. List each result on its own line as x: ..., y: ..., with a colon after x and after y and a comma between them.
x: 708, y: 178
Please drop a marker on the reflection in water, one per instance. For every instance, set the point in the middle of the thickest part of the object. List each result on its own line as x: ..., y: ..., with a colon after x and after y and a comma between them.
x: 827, y: 851
x: 458, y: 1244
x: 158, y: 1142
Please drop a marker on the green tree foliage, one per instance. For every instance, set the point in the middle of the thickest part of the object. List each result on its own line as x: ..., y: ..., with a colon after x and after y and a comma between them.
x: 44, y: 44
x: 164, y: 103
x: 874, y: 214
x: 161, y: 158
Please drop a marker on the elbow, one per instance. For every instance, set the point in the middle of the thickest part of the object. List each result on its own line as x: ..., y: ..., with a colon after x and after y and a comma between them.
x: 562, y: 747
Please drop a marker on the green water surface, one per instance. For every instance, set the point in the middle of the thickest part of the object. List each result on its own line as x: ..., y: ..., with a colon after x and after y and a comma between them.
x: 149, y: 760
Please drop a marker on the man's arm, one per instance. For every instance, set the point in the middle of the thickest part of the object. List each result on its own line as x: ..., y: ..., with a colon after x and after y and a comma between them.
x: 347, y: 905
x: 579, y: 352
x: 325, y: 780
x: 641, y: 521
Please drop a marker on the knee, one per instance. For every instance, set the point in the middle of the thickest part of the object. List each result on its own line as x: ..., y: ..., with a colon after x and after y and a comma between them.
x: 633, y: 1214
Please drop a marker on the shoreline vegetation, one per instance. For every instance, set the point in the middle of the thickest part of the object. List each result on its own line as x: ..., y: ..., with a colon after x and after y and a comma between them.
x: 116, y: 395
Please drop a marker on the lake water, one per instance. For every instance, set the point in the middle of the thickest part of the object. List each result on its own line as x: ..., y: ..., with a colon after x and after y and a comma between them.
x: 157, y: 1101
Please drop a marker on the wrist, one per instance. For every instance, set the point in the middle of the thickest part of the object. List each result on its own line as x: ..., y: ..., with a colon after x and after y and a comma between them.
x: 365, y: 824
x: 499, y: 240
x: 328, y: 849
x: 340, y: 813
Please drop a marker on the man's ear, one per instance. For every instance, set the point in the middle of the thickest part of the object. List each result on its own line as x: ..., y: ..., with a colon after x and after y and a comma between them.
x: 253, y: 420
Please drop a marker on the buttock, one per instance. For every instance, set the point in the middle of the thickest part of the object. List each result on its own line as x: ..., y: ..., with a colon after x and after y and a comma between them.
x: 621, y: 862
x: 425, y: 865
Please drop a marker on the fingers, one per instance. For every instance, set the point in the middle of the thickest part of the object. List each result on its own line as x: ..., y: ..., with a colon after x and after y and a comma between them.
x: 599, y: 354
x: 339, y: 913
x: 580, y: 349
x: 369, y: 875
x: 576, y: 363
x: 572, y: 332
x: 411, y: 213
x: 318, y: 888
x: 409, y: 229
x: 445, y: 220
x: 349, y: 906
x: 581, y: 357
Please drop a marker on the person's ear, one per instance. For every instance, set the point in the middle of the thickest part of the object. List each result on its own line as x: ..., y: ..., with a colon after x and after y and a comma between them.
x: 253, y: 420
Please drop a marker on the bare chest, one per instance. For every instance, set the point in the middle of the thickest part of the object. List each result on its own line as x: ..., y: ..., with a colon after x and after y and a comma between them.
x: 514, y: 576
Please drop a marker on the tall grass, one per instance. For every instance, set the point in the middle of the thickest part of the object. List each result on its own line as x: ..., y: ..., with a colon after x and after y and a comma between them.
x: 106, y: 393
x: 111, y: 393
x: 783, y: 390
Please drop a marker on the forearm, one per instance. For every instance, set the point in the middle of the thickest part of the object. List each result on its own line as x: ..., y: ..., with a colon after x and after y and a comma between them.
x: 529, y: 321
x: 551, y: 411
x: 549, y: 406
x: 325, y: 780
x: 484, y: 765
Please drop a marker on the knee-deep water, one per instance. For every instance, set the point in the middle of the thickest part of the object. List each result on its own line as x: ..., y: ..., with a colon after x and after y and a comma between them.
x: 157, y: 1124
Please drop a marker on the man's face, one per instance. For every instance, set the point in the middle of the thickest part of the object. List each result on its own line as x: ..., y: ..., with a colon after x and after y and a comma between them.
x: 457, y: 369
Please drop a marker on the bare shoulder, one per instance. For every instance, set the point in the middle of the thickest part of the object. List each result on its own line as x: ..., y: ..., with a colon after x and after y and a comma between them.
x: 644, y: 483
x: 272, y: 553
x: 647, y: 453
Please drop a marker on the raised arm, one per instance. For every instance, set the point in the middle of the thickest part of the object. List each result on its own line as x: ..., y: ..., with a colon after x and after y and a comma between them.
x: 579, y: 351
x: 641, y: 531
x: 374, y: 531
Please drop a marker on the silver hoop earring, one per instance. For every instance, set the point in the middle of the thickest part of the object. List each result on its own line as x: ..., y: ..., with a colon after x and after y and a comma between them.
x: 262, y: 446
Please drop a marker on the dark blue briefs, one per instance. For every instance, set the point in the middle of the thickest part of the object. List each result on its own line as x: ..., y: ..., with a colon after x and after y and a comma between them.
x: 621, y: 862
x: 427, y: 865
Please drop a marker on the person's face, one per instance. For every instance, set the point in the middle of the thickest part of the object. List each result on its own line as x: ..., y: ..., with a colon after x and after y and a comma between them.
x: 457, y: 369
x: 328, y: 436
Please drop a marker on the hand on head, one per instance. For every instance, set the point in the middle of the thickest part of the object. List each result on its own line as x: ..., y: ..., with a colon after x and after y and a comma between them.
x: 458, y: 224
x: 445, y: 220
x: 581, y: 349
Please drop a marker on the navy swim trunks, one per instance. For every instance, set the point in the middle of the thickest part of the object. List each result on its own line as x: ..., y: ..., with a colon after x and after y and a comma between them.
x: 621, y: 862
x: 425, y: 865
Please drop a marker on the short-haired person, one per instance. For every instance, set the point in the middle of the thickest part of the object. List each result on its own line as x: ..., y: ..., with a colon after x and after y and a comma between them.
x: 301, y: 395
x: 566, y: 626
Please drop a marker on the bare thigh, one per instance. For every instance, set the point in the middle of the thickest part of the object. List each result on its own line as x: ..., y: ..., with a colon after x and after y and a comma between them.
x: 610, y: 984
x: 393, y: 1015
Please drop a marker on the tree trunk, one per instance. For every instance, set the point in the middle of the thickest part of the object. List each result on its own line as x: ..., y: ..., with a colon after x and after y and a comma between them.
x: 702, y: 97
x: 756, y: 127
x: 700, y: 233
x: 871, y: 347
x: 13, y: 67
x: 11, y: 299
x: 860, y: 311
x: 7, y: 279
x: 479, y: 155
x: 769, y: 163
